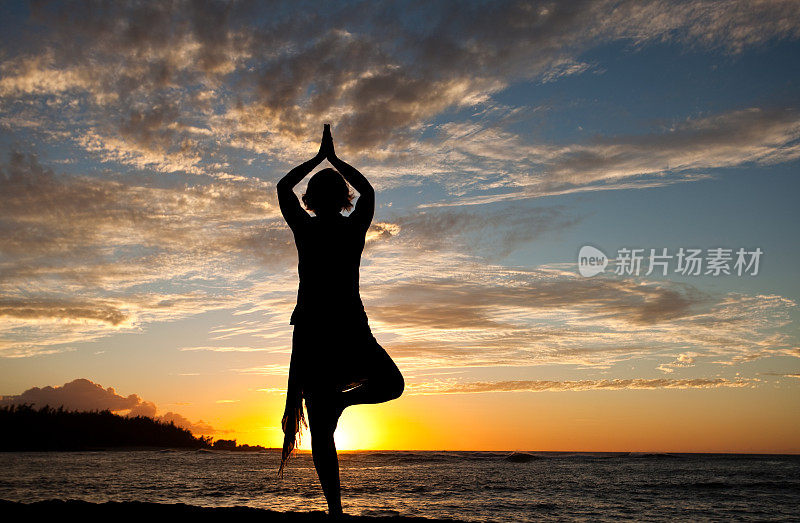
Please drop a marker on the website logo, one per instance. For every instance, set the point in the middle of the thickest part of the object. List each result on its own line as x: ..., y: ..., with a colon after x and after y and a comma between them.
x: 591, y: 261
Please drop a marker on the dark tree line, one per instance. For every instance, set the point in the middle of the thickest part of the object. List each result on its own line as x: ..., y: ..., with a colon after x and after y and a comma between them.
x: 23, y: 427
x: 230, y: 444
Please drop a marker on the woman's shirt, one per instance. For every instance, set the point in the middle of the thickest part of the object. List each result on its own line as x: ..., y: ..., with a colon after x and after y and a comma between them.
x: 329, y: 255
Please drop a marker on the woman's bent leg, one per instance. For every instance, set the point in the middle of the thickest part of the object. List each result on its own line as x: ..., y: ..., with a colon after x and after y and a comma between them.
x: 382, y: 382
x: 323, y: 417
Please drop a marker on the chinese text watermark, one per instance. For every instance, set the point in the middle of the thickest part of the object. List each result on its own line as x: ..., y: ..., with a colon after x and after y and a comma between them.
x: 717, y: 261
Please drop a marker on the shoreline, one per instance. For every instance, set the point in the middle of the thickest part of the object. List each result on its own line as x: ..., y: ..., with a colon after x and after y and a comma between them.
x: 135, y: 448
x: 140, y: 509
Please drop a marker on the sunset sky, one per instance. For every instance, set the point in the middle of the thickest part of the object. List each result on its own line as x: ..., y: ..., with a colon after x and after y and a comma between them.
x: 142, y: 248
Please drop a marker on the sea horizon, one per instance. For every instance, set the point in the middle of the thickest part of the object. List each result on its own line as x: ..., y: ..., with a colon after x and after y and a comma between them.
x: 145, y: 448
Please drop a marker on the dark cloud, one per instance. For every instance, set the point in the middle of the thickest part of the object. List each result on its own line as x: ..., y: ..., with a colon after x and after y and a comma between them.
x: 448, y: 303
x: 79, y: 394
x: 381, y: 74
x: 32, y: 309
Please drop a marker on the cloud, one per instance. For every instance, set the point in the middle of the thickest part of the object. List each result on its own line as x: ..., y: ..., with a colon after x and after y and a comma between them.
x: 115, y: 254
x: 197, y: 428
x: 112, y: 255
x: 84, y: 395
x: 39, y: 75
x: 270, y: 369
x: 144, y: 408
x: 578, y: 385
x: 783, y: 374
x: 489, y: 316
x: 724, y: 140
x: 49, y: 214
x: 679, y: 152
x: 493, y: 233
x: 108, y: 255
x: 229, y: 92
x: 445, y: 310
x: 79, y: 394
x: 226, y: 349
x: 682, y: 361
x: 256, y: 83
x: 443, y: 300
x: 32, y: 309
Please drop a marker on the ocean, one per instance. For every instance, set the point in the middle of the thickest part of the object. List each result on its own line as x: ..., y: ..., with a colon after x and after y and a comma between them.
x: 473, y: 486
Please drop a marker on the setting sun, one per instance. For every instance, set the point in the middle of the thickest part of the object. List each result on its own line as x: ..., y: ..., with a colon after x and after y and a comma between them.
x: 356, y: 431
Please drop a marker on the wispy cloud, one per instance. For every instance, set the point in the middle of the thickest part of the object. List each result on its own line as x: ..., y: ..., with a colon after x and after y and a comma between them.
x: 498, y: 231
x: 226, y: 349
x: 499, y: 316
x: 682, y: 151
x: 577, y: 385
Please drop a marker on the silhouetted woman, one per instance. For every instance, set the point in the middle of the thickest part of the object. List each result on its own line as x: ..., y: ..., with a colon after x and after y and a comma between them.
x: 336, y: 362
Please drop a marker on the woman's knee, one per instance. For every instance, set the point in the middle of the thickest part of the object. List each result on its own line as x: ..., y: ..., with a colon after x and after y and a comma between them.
x: 322, y: 418
x: 322, y: 432
x: 393, y: 382
x: 396, y: 385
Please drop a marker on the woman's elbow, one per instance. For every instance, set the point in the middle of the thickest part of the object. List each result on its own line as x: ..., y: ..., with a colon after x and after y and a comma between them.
x: 367, y: 191
x: 283, y: 187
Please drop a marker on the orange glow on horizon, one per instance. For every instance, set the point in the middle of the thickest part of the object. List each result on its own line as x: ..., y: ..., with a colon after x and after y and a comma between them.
x: 739, y: 420
x: 356, y: 431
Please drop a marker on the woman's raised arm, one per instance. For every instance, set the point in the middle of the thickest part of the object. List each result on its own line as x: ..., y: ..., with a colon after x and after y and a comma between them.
x: 365, y: 206
x: 291, y: 209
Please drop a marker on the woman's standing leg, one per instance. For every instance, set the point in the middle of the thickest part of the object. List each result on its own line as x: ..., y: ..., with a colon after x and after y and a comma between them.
x: 323, y: 416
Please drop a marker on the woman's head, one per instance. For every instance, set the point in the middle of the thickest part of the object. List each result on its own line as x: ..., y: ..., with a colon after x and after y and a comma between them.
x: 327, y: 192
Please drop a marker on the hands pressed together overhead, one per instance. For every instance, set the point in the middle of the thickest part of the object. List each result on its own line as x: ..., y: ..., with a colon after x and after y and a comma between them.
x: 290, y: 206
x: 326, y: 149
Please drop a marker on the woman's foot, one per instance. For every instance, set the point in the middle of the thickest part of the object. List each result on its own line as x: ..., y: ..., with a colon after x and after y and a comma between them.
x: 335, y: 512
